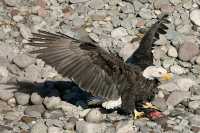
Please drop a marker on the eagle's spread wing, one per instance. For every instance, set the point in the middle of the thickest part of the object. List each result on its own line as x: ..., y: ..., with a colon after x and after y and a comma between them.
x: 88, y: 65
x: 143, y: 55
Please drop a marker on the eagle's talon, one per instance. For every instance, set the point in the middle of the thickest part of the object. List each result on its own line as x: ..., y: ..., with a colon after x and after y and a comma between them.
x: 148, y: 105
x: 137, y: 114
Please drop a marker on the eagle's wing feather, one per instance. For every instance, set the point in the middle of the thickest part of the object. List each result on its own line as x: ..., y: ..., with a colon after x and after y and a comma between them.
x: 91, y: 67
x: 143, y: 56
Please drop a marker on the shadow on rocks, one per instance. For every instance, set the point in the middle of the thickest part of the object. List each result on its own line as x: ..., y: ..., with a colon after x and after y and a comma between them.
x: 66, y: 90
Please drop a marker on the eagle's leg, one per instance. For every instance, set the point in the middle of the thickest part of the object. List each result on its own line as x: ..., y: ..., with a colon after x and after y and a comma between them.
x: 148, y: 105
x: 137, y: 115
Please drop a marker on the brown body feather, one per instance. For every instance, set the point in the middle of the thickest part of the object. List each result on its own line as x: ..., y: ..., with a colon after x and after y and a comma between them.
x: 94, y: 69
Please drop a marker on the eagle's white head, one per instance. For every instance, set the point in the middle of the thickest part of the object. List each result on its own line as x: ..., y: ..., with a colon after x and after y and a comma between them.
x: 157, y: 72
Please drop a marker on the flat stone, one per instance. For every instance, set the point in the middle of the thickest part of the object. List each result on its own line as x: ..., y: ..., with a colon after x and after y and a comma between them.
x: 22, y: 98
x: 175, y: 2
x: 53, y: 114
x: 33, y: 73
x: 25, y: 31
x: 145, y: 13
x: 34, y: 110
x: 198, y: 60
x: 160, y: 3
x: 4, y: 107
x: 3, y: 74
x: 23, y: 60
x: 53, y: 129
x: 55, y: 122
x: 87, y: 127
x: 178, y: 69
x: 176, y: 97
x: 52, y: 102
x: 185, y: 83
x: 172, y: 51
x: 119, y: 32
x: 160, y: 103
x: 170, y: 86
x: 183, y: 53
x: 125, y: 127
x: 36, y: 98
x: 194, y: 104
x: 12, y: 116
x: 39, y: 127
x: 94, y: 116
x: 6, y: 95
x: 96, y: 4
x: 78, y: 1
x: 195, y: 120
x: 194, y: 16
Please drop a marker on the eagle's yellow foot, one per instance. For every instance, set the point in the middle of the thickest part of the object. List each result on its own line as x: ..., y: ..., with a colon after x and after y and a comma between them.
x: 137, y: 114
x: 149, y: 105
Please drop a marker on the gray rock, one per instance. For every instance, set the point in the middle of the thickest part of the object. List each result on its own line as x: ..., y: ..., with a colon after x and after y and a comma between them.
x: 160, y: 103
x: 4, y: 107
x: 5, y: 95
x: 94, y: 37
x: 175, y: 2
x: 194, y: 105
x: 145, y: 13
x: 94, y: 116
x: 70, y: 125
x: 3, y: 74
x: 186, y: 28
x: 18, y: 18
x: 34, y: 110
x: 198, y: 60
x: 196, y: 69
x: 53, y: 129
x: 178, y: 69
x: 187, y: 4
x: 39, y: 127
x: 54, y: 114
x: 33, y: 73
x: 12, y: 116
x: 168, y: 62
x: 96, y: 4
x: 85, y: 127
x: 13, y: 2
x: 125, y: 127
x: 78, y: 1
x: 127, y: 8
x: 23, y: 60
x: 36, y: 98
x: 54, y: 122
x: 14, y: 69
x: 52, y: 102
x: 78, y: 22
x: 183, y: 53
x: 172, y: 51
x: 70, y: 109
x: 194, y: 16
x: 22, y: 98
x: 170, y: 86
x: 119, y: 32
x: 195, y: 120
x: 25, y: 31
x: 184, y: 84
x: 160, y: 3
x: 176, y: 97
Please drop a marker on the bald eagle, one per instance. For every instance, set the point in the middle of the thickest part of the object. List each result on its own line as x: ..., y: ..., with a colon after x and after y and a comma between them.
x: 101, y: 73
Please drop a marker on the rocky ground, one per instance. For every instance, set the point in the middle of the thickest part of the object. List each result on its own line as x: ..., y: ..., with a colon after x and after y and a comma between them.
x: 42, y: 105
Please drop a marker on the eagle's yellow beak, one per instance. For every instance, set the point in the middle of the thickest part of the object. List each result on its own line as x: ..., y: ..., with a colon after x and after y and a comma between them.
x: 167, y: 76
